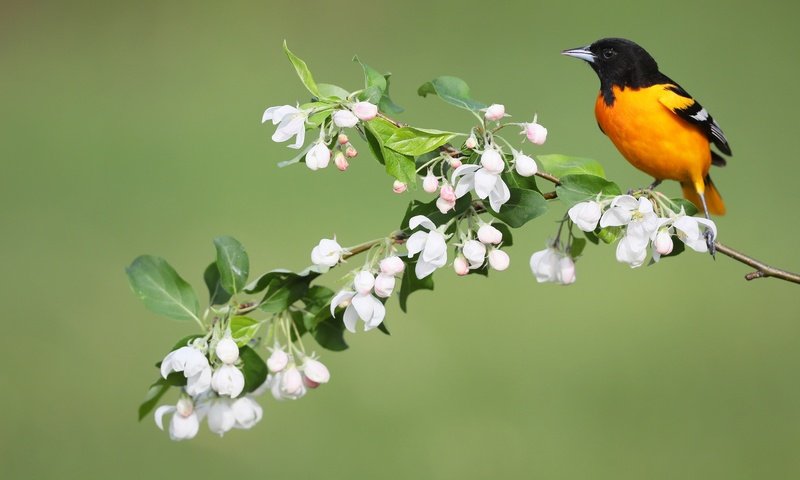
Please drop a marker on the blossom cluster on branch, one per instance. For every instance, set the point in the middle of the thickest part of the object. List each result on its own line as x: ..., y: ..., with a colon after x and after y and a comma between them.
x: 484, y: 185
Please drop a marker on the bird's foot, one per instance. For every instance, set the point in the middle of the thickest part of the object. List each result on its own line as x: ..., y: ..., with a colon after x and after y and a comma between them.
x: 655, y: 183
x: 712, y: 249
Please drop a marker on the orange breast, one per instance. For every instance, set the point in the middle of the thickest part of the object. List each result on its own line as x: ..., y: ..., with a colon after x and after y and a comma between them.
x: 652, y: 137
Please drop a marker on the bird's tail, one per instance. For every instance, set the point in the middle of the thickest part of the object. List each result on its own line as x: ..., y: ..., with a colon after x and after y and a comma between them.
x: 713, y: 199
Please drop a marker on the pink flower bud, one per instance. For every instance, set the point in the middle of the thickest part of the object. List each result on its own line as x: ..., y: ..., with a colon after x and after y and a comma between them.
x: 185, y: 407
x: 309, y: 383
x: 384, y: 285
x: 316, y: 371
x: 489, y: 234
x: 448, y: 193
x: 364, y: 282
x: 495, y: 112
x: 536, y: 133
x: 492, y: 161
x: 663, y: 243
x: 455, y: 163
x: 365, y: 111
x: 498, y: 259
x: 445, y: 206
x: 566, y: 272
x: 399, y: 187
x: 392, y: 265
x: 460, y: 265
x: 318, y: 156
x: 351, y: 152
x: 471, y: 142
x: 278, y: 360
x: 344, y: 119
x: 291, y: 381
x: 342, y: 139
x: 430, y: 183
x: 340, y: 161
x: 525, y: 165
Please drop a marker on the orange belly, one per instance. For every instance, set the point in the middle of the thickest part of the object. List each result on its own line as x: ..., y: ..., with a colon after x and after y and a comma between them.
x: 652, y: 137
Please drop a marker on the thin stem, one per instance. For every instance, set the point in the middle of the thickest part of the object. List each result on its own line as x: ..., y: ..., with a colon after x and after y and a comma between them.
x: 762, y: 269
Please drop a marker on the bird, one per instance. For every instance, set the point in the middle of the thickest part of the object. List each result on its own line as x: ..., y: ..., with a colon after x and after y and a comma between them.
x: 654, y: 122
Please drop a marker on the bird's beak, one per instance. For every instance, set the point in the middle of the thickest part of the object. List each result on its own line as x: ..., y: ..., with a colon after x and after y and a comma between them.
x: 583, y: 53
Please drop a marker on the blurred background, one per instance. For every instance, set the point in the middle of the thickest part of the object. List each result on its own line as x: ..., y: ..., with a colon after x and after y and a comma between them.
x: 134, y: 127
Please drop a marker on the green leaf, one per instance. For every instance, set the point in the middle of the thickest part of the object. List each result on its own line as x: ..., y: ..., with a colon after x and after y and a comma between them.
x: 417, y: 141
x: 562, y: 165
x: 302, y: 71
x: 591, y: 237
x: 283, y: 292
x: 233, y: 264
x: 515, y: 180
x: 154, y: 394
x: 578, y: 188
x: 430, y: 210
x: 253, y: 368
x: 688, y: 206
x: 330, y: 334
x: 401, y: 167
x: 243, y: 329
x: 376, y: 89
x: 216, y: 294
x: 452, y: 90
x: 610, y: 234
x: 410, y: 283
x: 578, y: 244
x: 522, y: 207
x: 334, y: 92
x: 161, y: 289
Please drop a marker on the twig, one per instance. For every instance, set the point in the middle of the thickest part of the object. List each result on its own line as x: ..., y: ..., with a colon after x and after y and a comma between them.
x: 762, y: 269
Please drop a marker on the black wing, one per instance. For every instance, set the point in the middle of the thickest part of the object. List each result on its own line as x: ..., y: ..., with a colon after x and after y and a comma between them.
x: 696, y: 114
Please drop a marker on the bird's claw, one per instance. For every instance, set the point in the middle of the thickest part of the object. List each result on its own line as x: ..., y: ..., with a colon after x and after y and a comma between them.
x: 710, y: 242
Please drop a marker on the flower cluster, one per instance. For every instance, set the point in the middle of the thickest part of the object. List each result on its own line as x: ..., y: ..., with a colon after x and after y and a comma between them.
x: 289, y: 378
x: 475, y: 253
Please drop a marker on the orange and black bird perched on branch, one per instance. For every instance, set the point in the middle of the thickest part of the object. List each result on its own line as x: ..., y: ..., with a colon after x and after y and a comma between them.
x: 654, y: 123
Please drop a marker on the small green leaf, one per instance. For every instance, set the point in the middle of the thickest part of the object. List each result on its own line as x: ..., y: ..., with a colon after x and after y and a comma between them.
x: 417, y: 141
x: 154, y: 394
x: 376, y: 89
x: 401, y: 167
x: 253, y: 368
x: 302, y: 71
x: 688, y: 206
x: 243, y: 329
x: 233, y: 264
x: 591, y: 237
x: 578, y: 188
x: 610, y: 234
x: 283, y: 292
x: 410, y: 283
x: 161, y: 289
x: 562, y: 165
x: 515, y: 180
x: 452, y: 90
x: 522, y: 207
x: 216, y: 294
x: 578, y: 244
x: 334, y: 92
x: 329, y: 333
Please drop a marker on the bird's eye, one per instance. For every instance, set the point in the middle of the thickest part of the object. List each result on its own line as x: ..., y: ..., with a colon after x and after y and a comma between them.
x: 609, y: 53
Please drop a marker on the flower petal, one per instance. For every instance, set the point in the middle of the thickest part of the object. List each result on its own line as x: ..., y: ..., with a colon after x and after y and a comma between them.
x: 339, y: 298
x: 423, y: 268
x: 615, y: 217
x: 499, y: 195
x: 416, y: 242
x: 160, y: 412
x: 464, y: 169
x: 418, y: 220
x: 434, y: 247
x: 484, y: 182
x: 364, y: 306
x: 350, y: 318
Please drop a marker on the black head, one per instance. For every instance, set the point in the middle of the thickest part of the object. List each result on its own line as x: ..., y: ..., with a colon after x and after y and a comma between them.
x: 619, y: 62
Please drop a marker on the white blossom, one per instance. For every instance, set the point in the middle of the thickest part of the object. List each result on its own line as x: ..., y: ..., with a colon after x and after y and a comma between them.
x: 551, y: 265
x: 392, y: 265
x: 432, y: 244
x: 228, y: 381
x: 486, y: 184
x: 475, y: 253
x: 227, y: 350
x: 384, y: 285
x: 460, y: 265
x: 498, y: 259
x: 327, y: 254
x: 471, y: 142
x: 363, y: 282
x: 525, y: 165
x: 184, y: 423
x: 586, y: 215
x: 280, y: 384
x: 495, y: 112
x: 194, y: 365
x: 430, y: 183
x: 318, y: 156
x: 292, y: 122
x: 365, y: 111
x: 220, y: 416
x: 631, y: 252
x: 640, y: 221
x: 315, y: 371
x: 278, y: 359
x: 445, y: 205
x: 199, y: 382
x: 344, y: 119
x: 690, y: 232
x: 662, y: 245
x: 489, y: 234
x: 246, y: 412
x: 566, y: 270
x: 364, y: 306
x: 492, y: 161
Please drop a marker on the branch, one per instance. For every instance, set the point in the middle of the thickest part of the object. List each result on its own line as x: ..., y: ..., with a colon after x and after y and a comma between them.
x: 762, y: 269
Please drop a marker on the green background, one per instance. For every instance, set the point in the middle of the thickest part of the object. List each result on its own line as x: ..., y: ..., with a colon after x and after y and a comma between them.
x: 134, y: 128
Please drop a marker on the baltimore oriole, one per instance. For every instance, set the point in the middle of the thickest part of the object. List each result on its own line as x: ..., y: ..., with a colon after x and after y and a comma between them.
x: 654, y: 123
